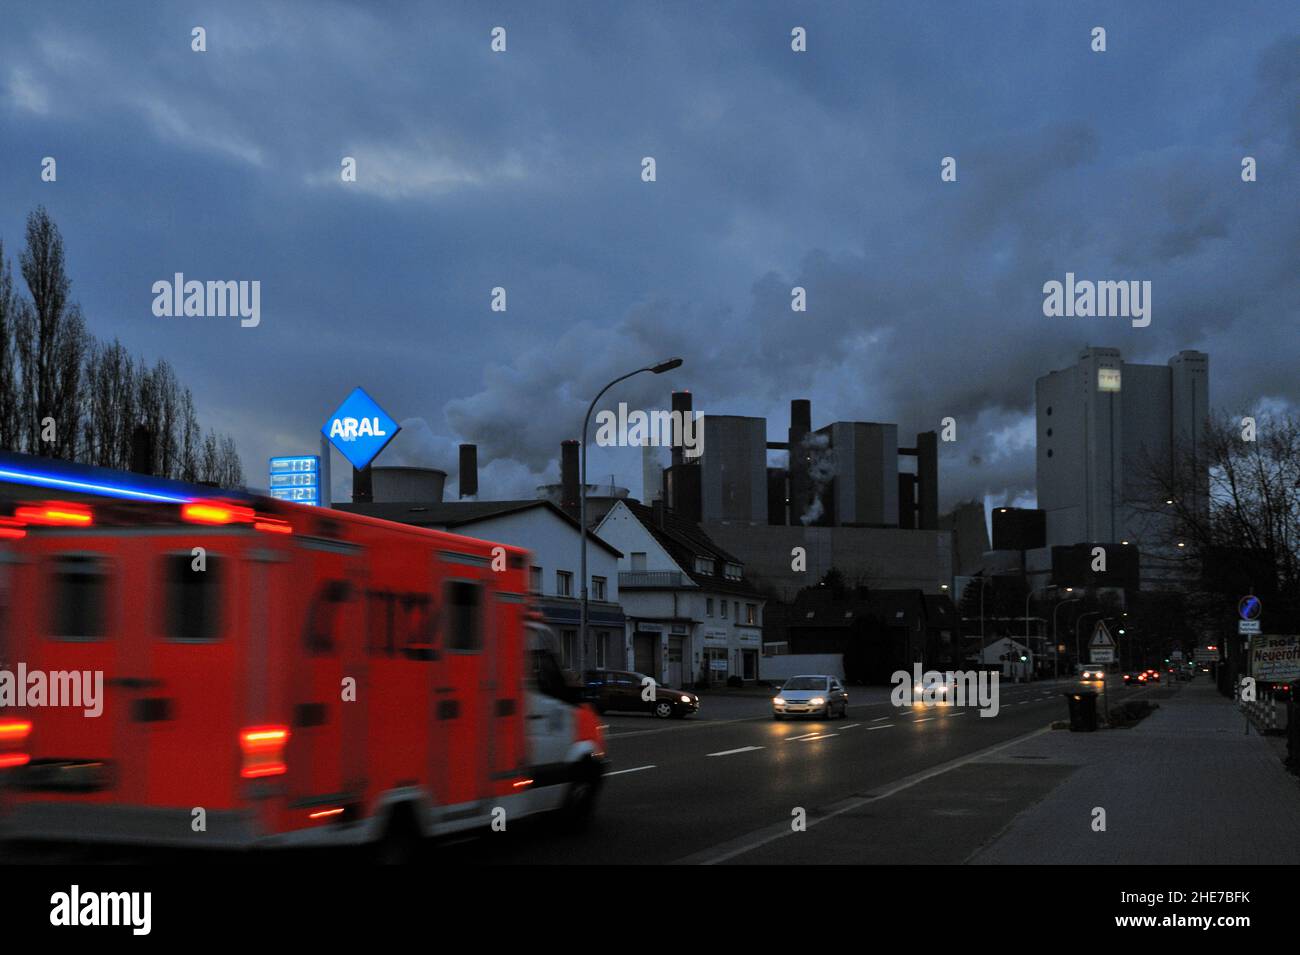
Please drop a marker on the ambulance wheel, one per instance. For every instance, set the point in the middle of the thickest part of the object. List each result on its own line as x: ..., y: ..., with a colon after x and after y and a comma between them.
x: 663, y: 709
x: 401, y: 842
x: 580, y: 799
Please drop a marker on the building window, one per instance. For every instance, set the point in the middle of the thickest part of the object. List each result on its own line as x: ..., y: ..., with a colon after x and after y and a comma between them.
x: 751, y: 614
x: 563, y: 583
x: 708, y: 606
x: 737, y: 611
x: 602, y: 649
x: 568, y: 648
x: 638, y: 560
x: 598, y: 588
x: 724, y: 610
x: 535, y: 579
x: 703, y: 565
x: 733, y: 571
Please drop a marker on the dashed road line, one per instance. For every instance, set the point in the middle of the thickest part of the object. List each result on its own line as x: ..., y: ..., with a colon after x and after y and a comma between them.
x: 733, y: 752
x: 635, y: 769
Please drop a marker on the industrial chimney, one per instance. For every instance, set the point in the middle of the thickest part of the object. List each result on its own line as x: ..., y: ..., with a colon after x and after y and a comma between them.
x: 682, y: 409
x: 569, y: 501
x: 468, y: 470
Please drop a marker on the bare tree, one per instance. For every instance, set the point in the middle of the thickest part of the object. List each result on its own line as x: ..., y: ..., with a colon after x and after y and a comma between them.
x: 10, y: 428
x: 51, y: 342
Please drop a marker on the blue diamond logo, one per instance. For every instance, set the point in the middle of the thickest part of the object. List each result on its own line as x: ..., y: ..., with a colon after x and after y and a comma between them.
x: 360, y: 429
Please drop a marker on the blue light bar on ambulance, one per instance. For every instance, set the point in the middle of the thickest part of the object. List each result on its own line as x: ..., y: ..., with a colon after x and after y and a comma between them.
x: 36, y: 478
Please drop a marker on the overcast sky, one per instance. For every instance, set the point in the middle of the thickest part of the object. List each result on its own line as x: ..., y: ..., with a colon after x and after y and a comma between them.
x: 774, y: 169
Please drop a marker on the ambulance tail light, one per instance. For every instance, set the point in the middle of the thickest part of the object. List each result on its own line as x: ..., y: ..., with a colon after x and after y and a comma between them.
x: 263, y: 751
x: 13, y: 736
x: 216, y: 513
x: 272, y: 525
x: 54, y: 514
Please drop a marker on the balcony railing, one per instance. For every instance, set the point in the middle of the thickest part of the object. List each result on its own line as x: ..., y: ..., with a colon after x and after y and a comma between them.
x: 651, y: 579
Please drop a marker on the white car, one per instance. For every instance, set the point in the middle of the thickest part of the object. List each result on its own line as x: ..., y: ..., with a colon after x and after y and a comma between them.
x: 811, y: 695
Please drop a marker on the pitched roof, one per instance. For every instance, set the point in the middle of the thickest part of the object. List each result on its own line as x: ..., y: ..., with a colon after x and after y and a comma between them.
x: 684, y: 541
x: 461, y: 514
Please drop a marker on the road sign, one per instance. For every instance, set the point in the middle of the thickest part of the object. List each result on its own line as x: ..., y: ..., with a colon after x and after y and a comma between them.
x: 1248, y: 627
x: 1249, y: 607
x: 360, y: 429
x: 296, y: 478
x: 1101, y: 637
x: 1205, y: 655
x: 1102, y: 654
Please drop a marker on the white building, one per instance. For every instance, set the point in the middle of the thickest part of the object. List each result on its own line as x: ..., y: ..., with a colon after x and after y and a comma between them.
x: 691, y: 615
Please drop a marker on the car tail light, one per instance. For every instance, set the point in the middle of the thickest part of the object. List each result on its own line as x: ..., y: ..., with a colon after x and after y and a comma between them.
x: 55, y: 514
x: 272, y: 525
x: 11, y: 530
x: 13, y: 734
x: 263, y: 749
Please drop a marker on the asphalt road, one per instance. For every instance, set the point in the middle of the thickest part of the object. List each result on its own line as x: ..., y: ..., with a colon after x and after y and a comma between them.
x: 708, y: 790
x: 721, y: 787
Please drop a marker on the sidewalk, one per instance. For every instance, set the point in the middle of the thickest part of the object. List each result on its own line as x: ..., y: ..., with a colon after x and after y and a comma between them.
x: 1184, y: 786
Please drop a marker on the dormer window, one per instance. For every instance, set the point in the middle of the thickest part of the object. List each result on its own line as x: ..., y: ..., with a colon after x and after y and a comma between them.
x: 733, y: 571
x: 704, y: 565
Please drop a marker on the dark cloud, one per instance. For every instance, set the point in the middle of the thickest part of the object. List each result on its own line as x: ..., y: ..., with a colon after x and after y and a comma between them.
x: 776, y: 170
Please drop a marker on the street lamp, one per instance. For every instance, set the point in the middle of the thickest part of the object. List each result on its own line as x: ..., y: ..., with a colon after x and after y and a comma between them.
x: 658, y: 369
x: 1056, y: 643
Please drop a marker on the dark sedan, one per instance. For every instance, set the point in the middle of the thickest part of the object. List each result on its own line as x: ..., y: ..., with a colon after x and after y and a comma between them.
x: 623, y: 690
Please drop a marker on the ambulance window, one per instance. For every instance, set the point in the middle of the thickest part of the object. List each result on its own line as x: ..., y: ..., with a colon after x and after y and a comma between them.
x: 193, y: 598
x: 79, y: 588
x: 464, y: 616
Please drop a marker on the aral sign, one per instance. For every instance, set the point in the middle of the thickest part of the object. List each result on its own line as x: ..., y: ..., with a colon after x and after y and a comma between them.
x: 360, y: 429
x: 1275, y: 658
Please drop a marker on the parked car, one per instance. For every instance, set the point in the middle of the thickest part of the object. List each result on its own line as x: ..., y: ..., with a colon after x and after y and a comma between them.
x: 624, y: 690
x: 811, y: 695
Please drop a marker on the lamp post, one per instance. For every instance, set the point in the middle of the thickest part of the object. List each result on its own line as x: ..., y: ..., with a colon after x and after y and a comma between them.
x: 1056, y: 643
x: 657, y: 369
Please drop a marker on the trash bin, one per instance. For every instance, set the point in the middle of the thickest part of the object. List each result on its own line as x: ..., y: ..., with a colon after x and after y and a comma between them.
x: 1083, y: 711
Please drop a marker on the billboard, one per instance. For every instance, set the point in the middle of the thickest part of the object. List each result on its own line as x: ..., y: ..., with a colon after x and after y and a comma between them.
x: 1275, y: 658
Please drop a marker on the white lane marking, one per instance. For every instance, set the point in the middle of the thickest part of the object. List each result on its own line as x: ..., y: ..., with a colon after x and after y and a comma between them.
x: 635, y: 769
x: 756, y: 840
x: 955, y: 715
x: 925, y: 720
x: 733, y: 752
x: 809, y: 739
x: 885, y: 727
x: 849, y: 726
x: 1023, y: 702
x: 804, y: 736
x: 879, y: 718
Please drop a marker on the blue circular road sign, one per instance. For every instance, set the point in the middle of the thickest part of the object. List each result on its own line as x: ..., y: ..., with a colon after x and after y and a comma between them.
x: 1249, y: 607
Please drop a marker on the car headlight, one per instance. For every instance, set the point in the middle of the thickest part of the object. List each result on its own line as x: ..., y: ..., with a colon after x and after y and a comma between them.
x: 778, y: 701
x: 686, y: 699
x: 816, y: 701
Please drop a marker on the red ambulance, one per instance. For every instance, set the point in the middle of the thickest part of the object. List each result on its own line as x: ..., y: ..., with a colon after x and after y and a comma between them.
x: 275, y: 674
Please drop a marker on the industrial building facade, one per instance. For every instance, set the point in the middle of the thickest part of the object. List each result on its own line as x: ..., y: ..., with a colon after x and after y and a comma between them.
x: 1102, y: 425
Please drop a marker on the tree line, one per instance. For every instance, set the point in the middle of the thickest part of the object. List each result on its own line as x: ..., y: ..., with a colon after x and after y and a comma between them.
x: 66, y: 394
